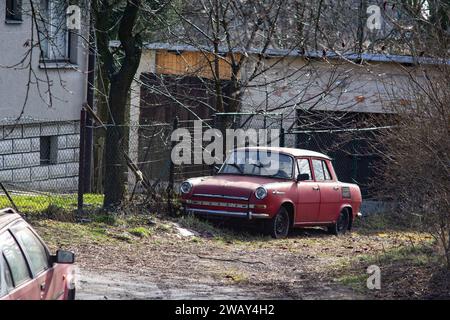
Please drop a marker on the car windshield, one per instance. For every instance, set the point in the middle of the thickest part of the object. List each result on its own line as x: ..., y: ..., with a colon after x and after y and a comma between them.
x: 258, y: 163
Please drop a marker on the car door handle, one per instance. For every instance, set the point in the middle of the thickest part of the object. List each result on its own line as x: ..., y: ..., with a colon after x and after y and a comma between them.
x: 336, y: 188
x: 42, y: 286
x: 316, y: 188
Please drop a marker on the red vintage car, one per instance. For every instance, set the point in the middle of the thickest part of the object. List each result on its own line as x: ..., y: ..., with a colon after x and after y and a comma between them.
x: 303, y: 191
x: 27, y: 270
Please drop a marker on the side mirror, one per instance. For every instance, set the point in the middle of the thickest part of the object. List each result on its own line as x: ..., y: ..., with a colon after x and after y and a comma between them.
x: 64, y: 257
x: 303, y: 177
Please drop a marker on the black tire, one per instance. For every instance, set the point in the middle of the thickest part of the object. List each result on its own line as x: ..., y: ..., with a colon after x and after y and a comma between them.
x: 71, y: 294
x: 342, y: 224
x: 278, y: 226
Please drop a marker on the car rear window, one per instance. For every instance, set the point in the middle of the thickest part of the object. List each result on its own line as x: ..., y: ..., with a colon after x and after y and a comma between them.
x: 14, y: 258
x: 318, y: 170
x: 33, y: 248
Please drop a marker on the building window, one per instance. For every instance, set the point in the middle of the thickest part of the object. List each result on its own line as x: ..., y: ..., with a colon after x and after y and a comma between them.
x: 13, y: 10
x: 57, y: 43
x: 49, y: 150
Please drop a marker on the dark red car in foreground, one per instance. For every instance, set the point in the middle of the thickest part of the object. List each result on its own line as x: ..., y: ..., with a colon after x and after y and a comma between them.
x: 27, y: 270
x: 303, y: 191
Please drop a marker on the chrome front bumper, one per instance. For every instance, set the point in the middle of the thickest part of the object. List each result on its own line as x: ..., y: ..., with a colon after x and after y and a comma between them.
x: 247, y: 215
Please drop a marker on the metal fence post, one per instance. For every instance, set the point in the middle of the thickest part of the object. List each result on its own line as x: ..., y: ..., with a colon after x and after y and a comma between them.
x: 171, y: 174
x: 81, y: 164
x: 89, y: 132
x: 282, y: 137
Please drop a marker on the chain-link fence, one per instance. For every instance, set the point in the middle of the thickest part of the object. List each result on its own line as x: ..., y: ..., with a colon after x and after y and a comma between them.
x: 155, y: 148
x: 155, y: 145
x: 39, y: 162
x: 348, y: 150
x: 149, y: 147
x: 345, y: 137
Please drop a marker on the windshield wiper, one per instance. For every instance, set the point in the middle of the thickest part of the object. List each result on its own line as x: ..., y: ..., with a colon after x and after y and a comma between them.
x: 236, y: 166
x: 258, y: 165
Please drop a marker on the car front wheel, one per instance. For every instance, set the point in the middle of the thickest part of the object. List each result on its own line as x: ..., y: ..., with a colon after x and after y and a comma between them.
x: 278, y: 226
x: 342, y: 224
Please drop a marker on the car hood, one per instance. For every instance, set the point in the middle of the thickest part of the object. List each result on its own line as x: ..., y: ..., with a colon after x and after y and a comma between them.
x: 229, y: 185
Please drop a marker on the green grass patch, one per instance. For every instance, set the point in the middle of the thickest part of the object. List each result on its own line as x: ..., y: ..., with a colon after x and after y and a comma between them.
x: 140, y: 232
x: 43, y: 204
x: 234, y: 275
x: 387, y: 222
x: 419, y: 255
x: 65, y: 234
x: 201, y: 226
x: 400, y: 258
x: 355, y: 281
x: 108, y: 219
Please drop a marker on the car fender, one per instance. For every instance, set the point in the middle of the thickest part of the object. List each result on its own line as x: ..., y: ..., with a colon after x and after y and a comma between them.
x: 275, y: 203
x: 344, y: 206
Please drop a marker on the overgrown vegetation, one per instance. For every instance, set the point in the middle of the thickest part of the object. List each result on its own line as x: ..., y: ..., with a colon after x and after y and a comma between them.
x: 416, y: 154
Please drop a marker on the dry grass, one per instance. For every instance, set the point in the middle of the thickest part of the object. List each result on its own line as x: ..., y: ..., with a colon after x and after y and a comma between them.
x: 309, y: 264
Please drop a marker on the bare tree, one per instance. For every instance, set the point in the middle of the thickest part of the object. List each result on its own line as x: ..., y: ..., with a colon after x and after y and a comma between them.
x: 415, y: 171
x: 122, y: 20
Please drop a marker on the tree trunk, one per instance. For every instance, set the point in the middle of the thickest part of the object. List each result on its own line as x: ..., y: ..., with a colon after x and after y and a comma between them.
x: 99, y: 134
x: 115, y: 142
x: 116, y: 170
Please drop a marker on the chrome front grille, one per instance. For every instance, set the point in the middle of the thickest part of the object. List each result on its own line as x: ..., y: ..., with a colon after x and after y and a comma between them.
x: 220, y: 196
x: 218, y: 204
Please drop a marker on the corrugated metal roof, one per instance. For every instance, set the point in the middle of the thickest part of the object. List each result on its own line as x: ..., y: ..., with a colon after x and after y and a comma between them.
x: 296, y: 53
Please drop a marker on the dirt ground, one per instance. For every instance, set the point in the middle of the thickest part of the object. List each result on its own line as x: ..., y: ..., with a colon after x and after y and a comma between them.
x: 155, y: 261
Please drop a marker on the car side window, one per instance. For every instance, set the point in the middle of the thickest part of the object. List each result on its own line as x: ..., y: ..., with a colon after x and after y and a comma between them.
x: 318, y: 170
x: 304, y: 167
x: 33, y: 248
x: 326, y: 171
x: 14, y: 258
x: 6, y: 283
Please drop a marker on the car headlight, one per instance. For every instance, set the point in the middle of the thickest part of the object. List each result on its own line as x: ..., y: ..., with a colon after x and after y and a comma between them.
x: 260, y: 193
x: 186, y: 187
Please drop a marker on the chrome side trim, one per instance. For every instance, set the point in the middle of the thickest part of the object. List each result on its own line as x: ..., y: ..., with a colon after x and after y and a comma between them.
x: 208, y: 195
x: 248, y: 215
x: 259, y: 215
x: 219, y: 212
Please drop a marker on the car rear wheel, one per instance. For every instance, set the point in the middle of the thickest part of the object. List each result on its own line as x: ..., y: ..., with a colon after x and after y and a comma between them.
x: 342, y: 224
x: 278, y: 226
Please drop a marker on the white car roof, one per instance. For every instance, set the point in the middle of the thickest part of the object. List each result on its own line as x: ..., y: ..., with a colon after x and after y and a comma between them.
x: 291, y: 151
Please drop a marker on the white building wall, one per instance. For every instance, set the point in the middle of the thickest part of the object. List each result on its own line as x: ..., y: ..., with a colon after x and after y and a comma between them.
x: 329, y: 85
x: 22, y: 124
